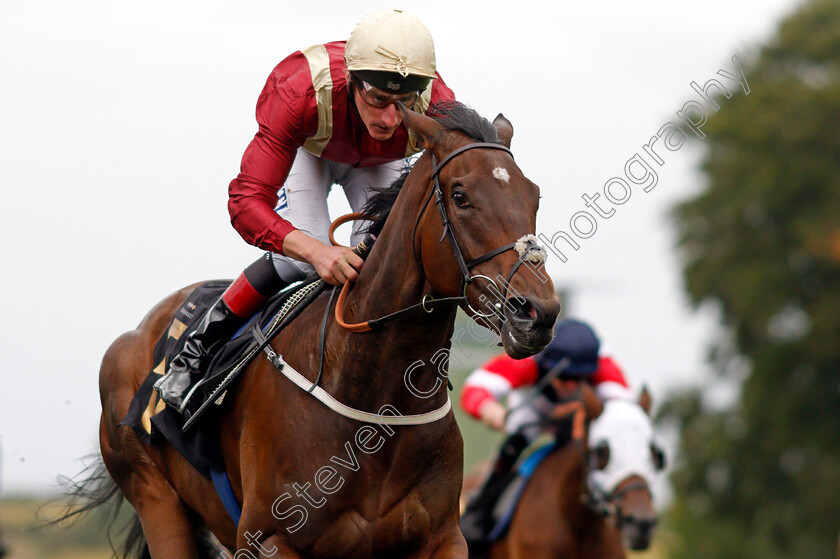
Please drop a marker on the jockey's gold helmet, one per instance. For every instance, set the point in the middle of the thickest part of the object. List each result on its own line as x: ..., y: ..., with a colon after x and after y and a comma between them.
x: 392, y: 50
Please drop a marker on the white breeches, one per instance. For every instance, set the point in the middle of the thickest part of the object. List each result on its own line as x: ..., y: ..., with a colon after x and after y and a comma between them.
x: 303, y: 200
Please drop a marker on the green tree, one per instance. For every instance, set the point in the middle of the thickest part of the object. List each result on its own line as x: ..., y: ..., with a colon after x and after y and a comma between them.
x: 761, y: 478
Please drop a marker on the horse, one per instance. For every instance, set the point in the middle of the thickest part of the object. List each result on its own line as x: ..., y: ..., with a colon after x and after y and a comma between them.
x: 590, y: 498
x: 388, y: 491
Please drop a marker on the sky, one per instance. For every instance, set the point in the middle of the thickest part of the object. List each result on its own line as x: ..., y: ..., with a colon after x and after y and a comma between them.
x: 122, y: 123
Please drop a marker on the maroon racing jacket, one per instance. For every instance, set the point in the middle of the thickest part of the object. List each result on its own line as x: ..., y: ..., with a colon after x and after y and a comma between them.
x: 306, y: 103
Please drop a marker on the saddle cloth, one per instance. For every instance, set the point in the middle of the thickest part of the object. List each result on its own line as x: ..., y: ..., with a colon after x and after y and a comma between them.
x: 152, y: 420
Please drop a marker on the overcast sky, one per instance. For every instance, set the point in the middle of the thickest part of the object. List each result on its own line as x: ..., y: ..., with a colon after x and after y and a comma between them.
x: 122, y: 123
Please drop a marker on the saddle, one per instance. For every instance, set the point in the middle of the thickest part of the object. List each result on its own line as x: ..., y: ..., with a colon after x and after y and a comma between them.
x: 196, y: 436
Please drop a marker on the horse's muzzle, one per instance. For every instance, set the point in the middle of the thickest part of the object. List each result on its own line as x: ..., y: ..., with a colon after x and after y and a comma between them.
x: 528, y: 325
x: 637, y: 533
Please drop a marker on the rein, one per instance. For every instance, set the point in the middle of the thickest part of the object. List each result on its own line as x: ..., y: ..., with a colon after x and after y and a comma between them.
x: 429, y: 303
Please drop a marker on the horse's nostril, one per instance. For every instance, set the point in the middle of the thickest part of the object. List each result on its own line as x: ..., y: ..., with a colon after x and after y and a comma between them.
x: 522, y: 310
x: 638, y: 531
x: 644, y: 526
x: 528, y: 311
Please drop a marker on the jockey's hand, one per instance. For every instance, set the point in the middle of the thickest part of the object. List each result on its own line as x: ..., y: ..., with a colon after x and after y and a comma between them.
x: 336, y: 265
x: 493, y: 414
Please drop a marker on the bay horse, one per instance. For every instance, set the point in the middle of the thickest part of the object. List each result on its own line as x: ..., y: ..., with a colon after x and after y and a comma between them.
x: 590, y: 498
x: 311, y: 482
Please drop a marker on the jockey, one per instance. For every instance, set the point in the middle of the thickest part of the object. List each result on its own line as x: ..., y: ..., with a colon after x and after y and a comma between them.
x: 327, y: 115
x: 574, y: 355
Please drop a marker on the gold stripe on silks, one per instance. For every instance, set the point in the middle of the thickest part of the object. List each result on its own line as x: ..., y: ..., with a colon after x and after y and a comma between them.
x: 156, y: 405
x: 177, y: 328
x: 319, y: 68
x: 161, y: 367
x: 421, y: 106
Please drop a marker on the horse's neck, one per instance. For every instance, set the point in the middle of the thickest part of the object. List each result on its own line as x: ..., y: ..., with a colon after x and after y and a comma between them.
x: 563, y: 477
x: 597, y: 538
x: 553, y: 501
x: 391, y: 280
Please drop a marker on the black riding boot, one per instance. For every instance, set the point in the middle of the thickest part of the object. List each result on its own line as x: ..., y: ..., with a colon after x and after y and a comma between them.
x: 476, y: 522
x: 217, y: 324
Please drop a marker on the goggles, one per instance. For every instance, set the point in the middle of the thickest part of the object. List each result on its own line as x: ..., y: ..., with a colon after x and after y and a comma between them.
x: 377, y: 98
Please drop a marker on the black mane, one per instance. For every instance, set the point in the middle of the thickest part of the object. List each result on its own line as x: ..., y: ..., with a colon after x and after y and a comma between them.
x: 455, y: 116
x: 452, y: 116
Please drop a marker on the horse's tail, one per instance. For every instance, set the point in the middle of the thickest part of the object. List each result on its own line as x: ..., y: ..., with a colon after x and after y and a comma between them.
x: 91, y: 489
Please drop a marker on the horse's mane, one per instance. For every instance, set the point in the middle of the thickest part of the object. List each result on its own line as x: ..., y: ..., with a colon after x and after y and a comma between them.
x: 452, y: 116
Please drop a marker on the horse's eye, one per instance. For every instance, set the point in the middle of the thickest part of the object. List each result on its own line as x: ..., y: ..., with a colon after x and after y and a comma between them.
x: 658, y: 456
x: 599, y: 456
x: 460, y: 199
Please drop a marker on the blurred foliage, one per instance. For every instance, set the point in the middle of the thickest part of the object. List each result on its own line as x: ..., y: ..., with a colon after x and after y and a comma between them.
x: 761, y: 478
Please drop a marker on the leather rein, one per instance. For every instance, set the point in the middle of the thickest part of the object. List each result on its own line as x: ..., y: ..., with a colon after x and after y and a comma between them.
x: 429, y: 303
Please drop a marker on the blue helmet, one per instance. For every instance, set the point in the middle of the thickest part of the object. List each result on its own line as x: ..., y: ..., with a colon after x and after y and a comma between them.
x: 575, y: 340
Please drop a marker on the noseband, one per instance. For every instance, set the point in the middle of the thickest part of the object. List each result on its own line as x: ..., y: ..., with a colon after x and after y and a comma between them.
x: 429, y: 303
x: 608, y: 504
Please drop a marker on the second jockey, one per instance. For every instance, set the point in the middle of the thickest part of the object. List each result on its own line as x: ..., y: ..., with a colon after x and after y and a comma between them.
x: 573, y: 356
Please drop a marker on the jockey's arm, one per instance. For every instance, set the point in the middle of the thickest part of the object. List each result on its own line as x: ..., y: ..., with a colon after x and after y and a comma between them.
x: 493, y: 414
x: 287, y: 115
x: 609, y: 381
x: 487, y: 387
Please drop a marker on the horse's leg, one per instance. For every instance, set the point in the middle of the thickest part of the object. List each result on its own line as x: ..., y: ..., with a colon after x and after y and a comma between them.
x: 253, y: 546
x: 166, y: 522
x: 453, y: 550
x: 450, y: 544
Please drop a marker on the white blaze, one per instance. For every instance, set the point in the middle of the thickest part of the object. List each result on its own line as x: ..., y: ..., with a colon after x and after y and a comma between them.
x: 501, y: 174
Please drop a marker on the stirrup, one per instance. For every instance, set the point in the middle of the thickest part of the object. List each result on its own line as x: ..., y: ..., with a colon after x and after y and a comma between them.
x: 182, y: 409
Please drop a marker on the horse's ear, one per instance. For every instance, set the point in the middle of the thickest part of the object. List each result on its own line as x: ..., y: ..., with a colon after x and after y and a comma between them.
x: 426, y: 128
x: 504, y: 128
x: 591, y: 402
x: 645, y: 400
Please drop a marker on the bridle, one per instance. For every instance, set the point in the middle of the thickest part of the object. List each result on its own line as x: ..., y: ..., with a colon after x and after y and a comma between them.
x: 465, y: 266
x: 608, y: 504
x: 529, y: 246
